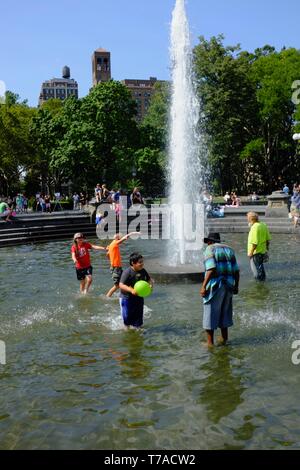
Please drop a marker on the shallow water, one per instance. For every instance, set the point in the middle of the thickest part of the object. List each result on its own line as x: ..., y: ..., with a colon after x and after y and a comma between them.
x: 75, y: 379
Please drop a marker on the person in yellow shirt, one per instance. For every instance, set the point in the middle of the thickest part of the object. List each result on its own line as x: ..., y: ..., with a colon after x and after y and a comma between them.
x: 114, y: 255
x: 258, y: 245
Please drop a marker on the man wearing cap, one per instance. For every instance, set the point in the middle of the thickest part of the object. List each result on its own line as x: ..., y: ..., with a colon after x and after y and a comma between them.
x: 81, y: 257
x: 221, y: 281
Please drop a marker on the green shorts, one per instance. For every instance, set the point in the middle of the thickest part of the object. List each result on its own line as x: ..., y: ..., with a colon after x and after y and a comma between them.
x: 116, y: 274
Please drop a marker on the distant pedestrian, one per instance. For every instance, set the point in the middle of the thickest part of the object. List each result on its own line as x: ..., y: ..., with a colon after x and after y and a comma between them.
x: 295, y: 205
x: 47, y: 199
x: 98, y: 192
x: 227, y: 198
x: 6, y: 211
x: 19, y: 203
x: 286, y: 189
x: 136, y: 197
x: 258, y: 245
x: 82, y: 201
x: 25, y: 204
x: 76, y: 200
x: 221, y: 281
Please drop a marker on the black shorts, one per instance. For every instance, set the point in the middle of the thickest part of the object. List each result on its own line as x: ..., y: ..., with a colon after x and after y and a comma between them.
x: 81, y: 273
x: 116, y: 274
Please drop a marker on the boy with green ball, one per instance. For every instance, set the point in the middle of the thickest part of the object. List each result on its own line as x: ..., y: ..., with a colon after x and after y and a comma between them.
x: 132, y: 305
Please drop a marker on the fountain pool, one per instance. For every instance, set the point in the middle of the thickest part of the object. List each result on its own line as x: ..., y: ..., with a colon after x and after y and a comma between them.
x: 75, y: 379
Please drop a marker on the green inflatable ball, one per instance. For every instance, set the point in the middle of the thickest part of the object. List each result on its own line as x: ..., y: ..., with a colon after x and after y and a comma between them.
x: 142, y: 288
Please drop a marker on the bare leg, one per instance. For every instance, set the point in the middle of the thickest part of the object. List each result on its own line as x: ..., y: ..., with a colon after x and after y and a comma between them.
x: 224, y: 335
x: 88, y: 282
x: 82, y: 286
x: 112, y: 291
x: 210, y: 337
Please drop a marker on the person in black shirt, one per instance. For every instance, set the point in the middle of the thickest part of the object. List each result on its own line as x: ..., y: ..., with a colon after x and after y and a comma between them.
x: 132, y: 306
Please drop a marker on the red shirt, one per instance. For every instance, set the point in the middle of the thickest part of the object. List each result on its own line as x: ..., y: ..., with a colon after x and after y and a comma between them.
x: 82, y: 255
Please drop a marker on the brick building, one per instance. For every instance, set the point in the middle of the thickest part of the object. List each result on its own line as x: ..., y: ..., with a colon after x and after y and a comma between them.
x: 141, y: 91
x: 101, y: 66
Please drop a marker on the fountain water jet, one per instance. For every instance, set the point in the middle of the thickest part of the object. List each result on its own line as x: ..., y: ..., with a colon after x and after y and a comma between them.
x: 186, y: 174
x: 186, y: 171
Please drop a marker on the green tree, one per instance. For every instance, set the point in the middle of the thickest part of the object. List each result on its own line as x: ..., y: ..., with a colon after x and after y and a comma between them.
x: 272, y: 75
x: 229, y: 107
x: 248, y: 114
x: 154, y: 127
x: 97, y: 131
x: 17, y: 153
x: 46, y: 132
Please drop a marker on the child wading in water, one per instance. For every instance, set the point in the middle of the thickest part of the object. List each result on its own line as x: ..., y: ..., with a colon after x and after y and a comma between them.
x: 132, y: 306
x: 114, y: 256
x: 81, y: 257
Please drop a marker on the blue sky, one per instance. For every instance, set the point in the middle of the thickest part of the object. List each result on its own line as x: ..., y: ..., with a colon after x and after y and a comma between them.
x: 39, y: 37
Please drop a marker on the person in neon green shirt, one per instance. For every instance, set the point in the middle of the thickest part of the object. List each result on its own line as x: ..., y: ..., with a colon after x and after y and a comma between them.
x: 5, y: 211
x: 258, y: 245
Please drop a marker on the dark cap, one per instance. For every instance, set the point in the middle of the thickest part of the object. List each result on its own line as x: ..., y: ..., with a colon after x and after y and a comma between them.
x: 212, y: 237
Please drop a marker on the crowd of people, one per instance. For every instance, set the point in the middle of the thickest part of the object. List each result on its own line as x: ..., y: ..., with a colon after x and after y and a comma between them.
x: 104, y: 195
x: 115, y: 198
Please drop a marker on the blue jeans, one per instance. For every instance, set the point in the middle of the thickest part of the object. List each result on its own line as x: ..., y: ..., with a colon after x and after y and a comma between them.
x: 257, y: 267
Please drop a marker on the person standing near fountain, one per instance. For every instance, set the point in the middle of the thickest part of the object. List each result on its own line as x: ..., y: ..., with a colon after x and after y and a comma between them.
x: 221, y: 281
x: 114, y: 255
x: 258, y: 245
x: 132, y: 306
x: 81, y: 257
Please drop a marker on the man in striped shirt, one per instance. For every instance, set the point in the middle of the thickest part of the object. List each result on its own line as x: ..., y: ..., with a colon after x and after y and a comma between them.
x: 220, y: 283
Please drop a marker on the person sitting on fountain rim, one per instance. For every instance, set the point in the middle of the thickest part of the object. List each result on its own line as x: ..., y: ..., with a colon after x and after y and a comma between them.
x: 132, y: 306
x: 221, y: 281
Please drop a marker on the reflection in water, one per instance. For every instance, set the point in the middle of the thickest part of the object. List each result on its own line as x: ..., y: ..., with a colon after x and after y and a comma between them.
x: 256, y: 295
x: 135, y: 365
x: 222, y: 388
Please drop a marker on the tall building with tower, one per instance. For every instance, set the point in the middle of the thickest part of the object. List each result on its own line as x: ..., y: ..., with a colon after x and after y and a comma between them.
x: 141, y: 90
x: 59, y: 88
x: 101, y: 66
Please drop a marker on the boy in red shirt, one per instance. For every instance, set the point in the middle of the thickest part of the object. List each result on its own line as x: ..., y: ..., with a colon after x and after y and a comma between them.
x: 81, y: 257
x: 114, y: 255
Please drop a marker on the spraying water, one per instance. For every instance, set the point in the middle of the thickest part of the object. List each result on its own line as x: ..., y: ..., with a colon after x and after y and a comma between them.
x: 185, y: 168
